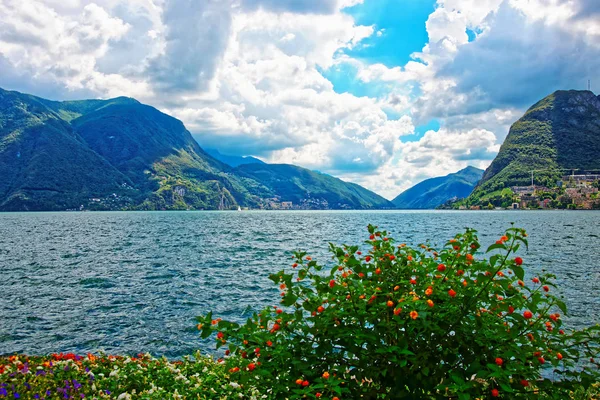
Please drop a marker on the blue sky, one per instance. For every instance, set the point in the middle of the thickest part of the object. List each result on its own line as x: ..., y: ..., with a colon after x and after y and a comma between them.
x: 401, y: 25
x: 384, y: 93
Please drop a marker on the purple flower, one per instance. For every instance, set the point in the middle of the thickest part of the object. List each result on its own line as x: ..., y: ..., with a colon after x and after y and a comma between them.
x: 3, y: 392
x: 17, y: 395
x: 107, y: 392
x: 40, y: 372
x: 76, y: 384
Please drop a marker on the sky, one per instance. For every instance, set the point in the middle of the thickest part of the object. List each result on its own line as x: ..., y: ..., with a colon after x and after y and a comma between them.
x: 384, y: 93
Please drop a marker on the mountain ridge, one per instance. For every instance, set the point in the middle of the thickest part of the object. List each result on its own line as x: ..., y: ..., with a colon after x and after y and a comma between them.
x: 433, y: 192
x: 558, y: 133
x: 122, y: 154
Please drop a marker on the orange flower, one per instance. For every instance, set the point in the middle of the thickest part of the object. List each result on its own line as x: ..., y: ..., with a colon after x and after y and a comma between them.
x: 378, y: 271
x: 320, y: 309
x: 414, y: 315
x: 390, y: 303
x: 518, y: 260
x: 559, y: 356
x: 397, y: 311
x: 469, y: 257
x: 429, y: 291
x: 430, y: 303
x: 451, y: 293
x: 326, y: 375
x: 299, y: 381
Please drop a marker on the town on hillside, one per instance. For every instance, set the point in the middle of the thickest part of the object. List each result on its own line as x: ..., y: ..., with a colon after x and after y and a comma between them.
x: 572, y: 192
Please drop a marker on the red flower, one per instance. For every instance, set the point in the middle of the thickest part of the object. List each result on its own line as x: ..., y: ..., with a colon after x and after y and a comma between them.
x: 251, y: 367
x: 269, y: 343
x: 441, y: 268
x: 294, y: 265
x: 546, y: 288
x: 541, y: 360
x: 397, y: 311
x: 372, y: 237
x: 495, y: 393
x: 318, y: 394
x: 559, y: 356
x: 305, y: 383
x: 511, y: 309
x: 451, y: 293
x: 320, y: 309
x: 413, y: 281
x: 518, y: 260
x: 220, y: 335
x: 499, y: 361
x: 524, y: 382
x: 331, y: 283
x: 535, y: 280
x: 378, y: 271
x: 527, y: 314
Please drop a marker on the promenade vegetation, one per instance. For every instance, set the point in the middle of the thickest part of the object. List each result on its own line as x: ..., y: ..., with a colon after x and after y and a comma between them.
x: 381, y: 321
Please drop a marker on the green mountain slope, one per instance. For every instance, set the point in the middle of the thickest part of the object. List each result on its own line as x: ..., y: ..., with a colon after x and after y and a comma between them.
x: 434, y: 192
x: 312, y: 189
x: 121, y: 154
x: 162, y: 159
x: 44, y: 164
x: 560, y: 132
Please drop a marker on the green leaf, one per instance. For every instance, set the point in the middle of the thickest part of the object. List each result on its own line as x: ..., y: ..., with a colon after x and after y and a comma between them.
x: 519, y: 272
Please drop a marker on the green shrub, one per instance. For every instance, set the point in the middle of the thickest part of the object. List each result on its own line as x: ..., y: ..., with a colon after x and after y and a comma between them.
x: 411, y: 323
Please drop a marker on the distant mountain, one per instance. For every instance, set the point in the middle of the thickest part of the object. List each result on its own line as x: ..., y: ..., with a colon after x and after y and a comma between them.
x: 121, y: 154
x: 434, y: 192
x: 313, y: 189
x: 233, y: 161
x: 558, y: 133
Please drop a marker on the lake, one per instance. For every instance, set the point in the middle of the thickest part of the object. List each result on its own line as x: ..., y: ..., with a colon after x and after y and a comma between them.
x: 130, y: 282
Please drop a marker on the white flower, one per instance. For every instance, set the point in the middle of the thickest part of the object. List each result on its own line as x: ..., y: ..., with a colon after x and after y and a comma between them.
x: 124, y: 396
x: 234, y: 385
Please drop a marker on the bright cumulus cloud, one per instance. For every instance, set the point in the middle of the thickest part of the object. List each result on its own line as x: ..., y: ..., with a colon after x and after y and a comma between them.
x: 384, y: 93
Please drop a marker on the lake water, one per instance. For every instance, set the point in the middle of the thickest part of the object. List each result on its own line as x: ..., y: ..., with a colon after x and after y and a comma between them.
x: 129, y: 282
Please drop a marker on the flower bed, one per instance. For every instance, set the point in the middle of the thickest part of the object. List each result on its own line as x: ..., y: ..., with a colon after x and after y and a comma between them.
x: 394, y: 322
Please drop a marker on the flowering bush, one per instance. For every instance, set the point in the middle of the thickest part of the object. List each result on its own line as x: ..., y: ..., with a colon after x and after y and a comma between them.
x: 411, y: 323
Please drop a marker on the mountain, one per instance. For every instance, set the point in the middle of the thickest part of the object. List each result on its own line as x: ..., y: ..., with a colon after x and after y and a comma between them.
x: 558, y: 133
x: 312, y: 189
x: 122, y: 154
x: 434, y: 192
x: 44, y: 163
x: 233, y: 161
